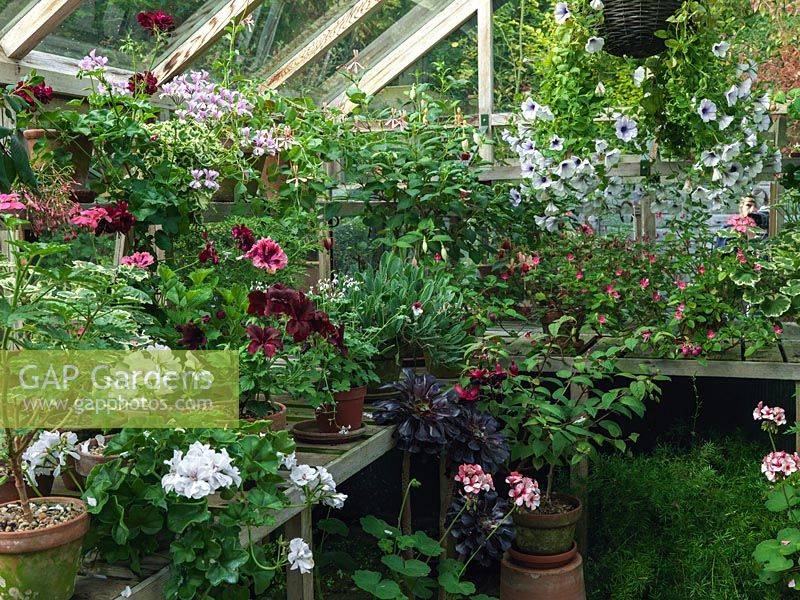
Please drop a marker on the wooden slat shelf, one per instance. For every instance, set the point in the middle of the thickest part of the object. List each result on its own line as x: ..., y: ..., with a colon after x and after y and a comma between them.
x: 107, y: 582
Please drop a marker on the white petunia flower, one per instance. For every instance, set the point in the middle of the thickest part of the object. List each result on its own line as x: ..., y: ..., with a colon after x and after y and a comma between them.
x: 544, y: 113
x: 732, y: 175
x: 724, y: 122
x: 600, y: 146
x: 516, y: 197
x: 707, y: 110
x: 626, y: 129
x: 562, y: 12
x: 639, y: 75
x: 600, y: 89
x: 300, y: 556
x: 720, y: 49
x: 732, y: 95
x: 597, y: 4
x: 565, y: 169
x: 709, y: 158
x: 744, y: 88
x: 612, y: 158
x: 529, y: 108
x: 730, y: 151
x: 541, y: 183
x: 594, y: 44
x: 548, y: 223
x: 556, y: 143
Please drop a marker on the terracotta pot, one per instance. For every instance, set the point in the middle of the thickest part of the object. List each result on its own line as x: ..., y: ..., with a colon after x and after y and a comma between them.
x: 348, y: 411
x: 43, y: 563
x: 387, y: 371
x: 80, y: 147
x: 8, y: 490
x: 81, y: 468
x: 276, y: 421
x: 538, y: 533
x: 522, y: 583
x: 543, y: 561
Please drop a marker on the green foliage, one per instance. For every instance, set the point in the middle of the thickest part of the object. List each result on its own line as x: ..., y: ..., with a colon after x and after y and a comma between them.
x: 676, y: 525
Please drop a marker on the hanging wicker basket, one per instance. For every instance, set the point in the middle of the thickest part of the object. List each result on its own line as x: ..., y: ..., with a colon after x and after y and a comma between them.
x: 629, y: 26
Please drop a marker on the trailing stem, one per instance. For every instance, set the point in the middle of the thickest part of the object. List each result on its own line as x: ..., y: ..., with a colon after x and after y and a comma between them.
x: 405, y: 515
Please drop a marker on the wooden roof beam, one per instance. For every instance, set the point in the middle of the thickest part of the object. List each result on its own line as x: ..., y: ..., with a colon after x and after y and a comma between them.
x: 320, y: 44
x: 213, y: 17
x: 33, y: 26
x: 416, y: 45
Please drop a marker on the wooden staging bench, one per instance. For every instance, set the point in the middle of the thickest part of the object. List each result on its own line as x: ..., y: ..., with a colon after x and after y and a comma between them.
x: 107, y: 582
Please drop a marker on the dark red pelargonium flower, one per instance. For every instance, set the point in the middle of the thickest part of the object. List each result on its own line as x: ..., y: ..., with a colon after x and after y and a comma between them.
x: 143, y: 83
x: 118, y: 220
x: 33, y: 93
x: 267, y: 339
x: 155, y: 21
x: 209, y: 253
x: 244, y: 237
x: 192, y: 337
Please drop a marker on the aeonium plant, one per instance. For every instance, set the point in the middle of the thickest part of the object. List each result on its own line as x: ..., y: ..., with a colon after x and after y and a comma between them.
x: 162, y: 483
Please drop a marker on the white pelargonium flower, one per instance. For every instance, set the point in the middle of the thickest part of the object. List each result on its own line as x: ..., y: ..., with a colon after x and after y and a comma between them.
x: 720, y: 49
x: 200, y: 473
x: 48, y: 454
x: 562, y: 12
x: 594, y: 44
x: 316, y: 485
x: 626, y: 129
x: 597, y: 4
x: 707, y: 110
x: 300, y: 556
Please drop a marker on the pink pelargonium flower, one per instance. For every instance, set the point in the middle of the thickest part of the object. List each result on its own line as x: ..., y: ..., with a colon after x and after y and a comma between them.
x: 91, y: 217
x: 474, y: 479
x: 10, y: 202
x: 524, y: 491
x: 776, y: 414
x: 779, y: 464
x: 740, y: 224
x: 601, y: 319
x: 141, y: 260
x: 268, y: 255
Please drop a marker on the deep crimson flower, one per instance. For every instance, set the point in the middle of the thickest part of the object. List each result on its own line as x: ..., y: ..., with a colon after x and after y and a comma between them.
x: 145, y: 83
x: 243, y: 237
x: 513, y: 369
x: 155, y: 21
x: 117, y: 219
x: 221, y: 314
x: 302, y: 315
x: 42, y: 93
x: 192, y: 337
x: 267, y: 339
x: 327, y: 243
x: 209, y: 253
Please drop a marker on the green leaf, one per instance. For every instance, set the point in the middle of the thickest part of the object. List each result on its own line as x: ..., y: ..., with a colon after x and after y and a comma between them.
x: 791, y: 288
x: 409, y: 568
x: 333, y: 526
x: 452, y: 585
x: 768, y: 553
x: 748, y: 278
x: 378, y: 528
x: 180, y: 516
x: 775, y: 306
x: 371, y: 582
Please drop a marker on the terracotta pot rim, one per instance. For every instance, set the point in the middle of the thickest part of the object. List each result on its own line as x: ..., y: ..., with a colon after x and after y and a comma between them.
x: 544, y: 561
x: 19, y: 542
x: 535, y: 520
x: 279, y: 412
x: 98, y: 457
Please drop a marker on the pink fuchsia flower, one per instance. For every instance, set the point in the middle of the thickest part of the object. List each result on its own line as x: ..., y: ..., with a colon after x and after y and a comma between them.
x: 711, y: 334
x: 578, y: 275
x: 740, y: 224
x: 646, y: 335
x: 140, y: 260
x: 779, y: 464
x: 10, y: 202
x: 570, y: 257
x: 468, y: 394
x: 765, y: 413
x: 268, y: 255
x: 681, y: 285
x: 644, y: 283
x: 474, y: 479
x: 777, y: 329
x: 524, y: 491
x: 528, y: 261
x: 618, y: 272
x: 601, y: 319
x: 416, y: 309
x: 90, y: 218
x: 679, y: 312
x: 757, y: 267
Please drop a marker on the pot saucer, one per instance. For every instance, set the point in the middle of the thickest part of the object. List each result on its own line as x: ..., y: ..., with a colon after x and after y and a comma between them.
x: 307, y: 431
x: 543, y: 561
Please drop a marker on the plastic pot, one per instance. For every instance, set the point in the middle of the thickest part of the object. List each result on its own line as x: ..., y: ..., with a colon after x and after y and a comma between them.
x: 347, y: 411
x: 43, y: 563
x: 538, y: 533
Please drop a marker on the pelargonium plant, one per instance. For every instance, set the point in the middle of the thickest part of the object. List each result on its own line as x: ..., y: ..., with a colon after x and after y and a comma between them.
x: 777, y: 558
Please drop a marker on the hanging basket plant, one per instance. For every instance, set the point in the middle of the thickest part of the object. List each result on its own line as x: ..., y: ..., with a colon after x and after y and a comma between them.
x: 629, y: 26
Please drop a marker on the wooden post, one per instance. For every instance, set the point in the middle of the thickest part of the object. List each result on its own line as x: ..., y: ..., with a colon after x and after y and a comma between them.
x: 797, y: 414
x: 34, y: 25
x: 485, y: 74
x: 578, y: 478
x: 299, y: 586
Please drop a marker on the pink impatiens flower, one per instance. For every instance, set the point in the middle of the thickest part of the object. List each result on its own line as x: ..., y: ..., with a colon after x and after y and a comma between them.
x: 524, y: 491
x: 141, y: 260
x: 779, y: 464
x: 474, y: 479
x: 10, y: 202
x: 268, y: 255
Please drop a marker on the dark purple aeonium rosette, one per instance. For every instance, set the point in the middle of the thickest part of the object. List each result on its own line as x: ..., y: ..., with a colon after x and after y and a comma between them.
x: 484, y: 526
x: 477, y: 440
x: 423, y: 412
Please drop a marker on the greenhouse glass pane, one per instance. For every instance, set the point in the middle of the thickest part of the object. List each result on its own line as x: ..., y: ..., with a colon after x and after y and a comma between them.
x: 106, y: 24
x: 11, y: 10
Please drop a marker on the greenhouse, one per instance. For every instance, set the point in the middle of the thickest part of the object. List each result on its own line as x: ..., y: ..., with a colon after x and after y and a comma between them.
x: 399, y: 299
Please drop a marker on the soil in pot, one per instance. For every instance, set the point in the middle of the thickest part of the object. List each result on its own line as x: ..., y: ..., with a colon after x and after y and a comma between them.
x: 346, y: 413
x: 50, y: 544
x: 550, y: 529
